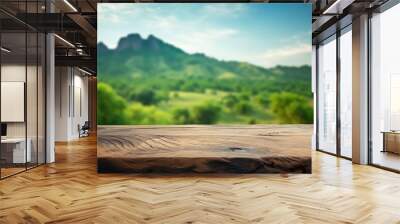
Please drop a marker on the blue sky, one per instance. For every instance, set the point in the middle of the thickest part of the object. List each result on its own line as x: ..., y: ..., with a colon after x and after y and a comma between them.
x: 263, y: 34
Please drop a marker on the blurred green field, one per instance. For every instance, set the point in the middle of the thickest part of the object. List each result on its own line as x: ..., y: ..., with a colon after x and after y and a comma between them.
x: 182, y: 99
x: 146, y: 106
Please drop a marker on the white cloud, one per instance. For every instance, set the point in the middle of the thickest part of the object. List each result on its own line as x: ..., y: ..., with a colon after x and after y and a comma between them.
x: 296, y: 38
x: 287, y: 52
x: 164, y: 22
x: 117, y: 12
x: 121, y: 8
x: 190, y: 35
x: 294, y: 55
x: 223, y: 9
x: 199, y: 41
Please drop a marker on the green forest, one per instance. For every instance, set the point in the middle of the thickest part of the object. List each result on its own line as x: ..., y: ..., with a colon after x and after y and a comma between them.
x: 148, y: 82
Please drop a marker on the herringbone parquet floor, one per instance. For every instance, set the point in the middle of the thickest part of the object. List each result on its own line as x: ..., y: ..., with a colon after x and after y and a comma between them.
x: 71, y: 191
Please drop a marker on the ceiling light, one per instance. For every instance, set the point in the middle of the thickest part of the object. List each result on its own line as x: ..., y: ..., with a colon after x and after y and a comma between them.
x: 338, y: 6
x: 84, y: 71
x: 5, y: 50
x: 79, y: 51
x: 64, y: 40
x: 70, y: 5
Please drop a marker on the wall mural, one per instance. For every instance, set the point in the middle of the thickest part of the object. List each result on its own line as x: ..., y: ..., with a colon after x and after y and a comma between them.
x: 179, y: 84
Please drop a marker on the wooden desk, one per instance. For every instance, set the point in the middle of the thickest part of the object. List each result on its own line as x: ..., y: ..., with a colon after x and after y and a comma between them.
x: 391, y: 141
x: 13, y: 150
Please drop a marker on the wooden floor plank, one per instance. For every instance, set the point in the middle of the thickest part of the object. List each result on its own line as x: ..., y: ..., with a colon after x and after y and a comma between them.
x: 71, y: 191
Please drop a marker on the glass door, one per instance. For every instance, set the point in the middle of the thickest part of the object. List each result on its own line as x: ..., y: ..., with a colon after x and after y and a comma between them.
x: 32, y: 98
x: 327, y: 95
x: 385, y: 89
x: 14, y: 145
x: 346, y: 92
x: 22, y: 78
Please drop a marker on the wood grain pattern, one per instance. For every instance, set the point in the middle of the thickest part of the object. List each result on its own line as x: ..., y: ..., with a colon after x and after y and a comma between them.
x: 204, y: 149
x: 71, y: 191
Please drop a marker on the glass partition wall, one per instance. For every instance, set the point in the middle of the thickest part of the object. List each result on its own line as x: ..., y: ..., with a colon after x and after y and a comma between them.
x: 327, y: 95
x: 13, y: 89
x: 385, y: 89
x: 22, y: 77
x: 345, y: 91
x: 334, y: 105
x: 334, y: 86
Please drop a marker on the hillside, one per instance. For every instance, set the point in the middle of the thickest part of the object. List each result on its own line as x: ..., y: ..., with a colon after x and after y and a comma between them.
x: 154, y: 73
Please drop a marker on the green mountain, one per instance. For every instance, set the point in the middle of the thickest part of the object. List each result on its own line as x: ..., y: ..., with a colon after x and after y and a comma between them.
x: 148, y: 81
x: 138, y: 57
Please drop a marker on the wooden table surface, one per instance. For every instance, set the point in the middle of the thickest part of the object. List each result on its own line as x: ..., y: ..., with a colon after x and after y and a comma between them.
x: 205, y: 148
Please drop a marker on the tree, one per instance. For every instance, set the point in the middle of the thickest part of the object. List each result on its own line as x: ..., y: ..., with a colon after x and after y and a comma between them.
x: 243, y: 107
x: 111, y: 106
x: 244, y: 96
x: 140, y: 114
x: 175, y: 95
x: 263, y: 99
x: 291, y: 108
x: 145, y: 96
x: 252, y: 121
x: 207, y: 113
x: 230, y: 100
x: 182, y: 116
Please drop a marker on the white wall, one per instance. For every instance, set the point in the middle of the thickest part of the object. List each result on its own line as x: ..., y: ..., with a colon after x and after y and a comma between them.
x: 62, y: 82
x: 79, y: 110
x: 71, y: 102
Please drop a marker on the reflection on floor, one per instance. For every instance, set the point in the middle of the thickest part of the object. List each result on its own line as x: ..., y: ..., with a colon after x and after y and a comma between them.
x: 71, y: 191
x: 387, y: 159
x: 10, y: 169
